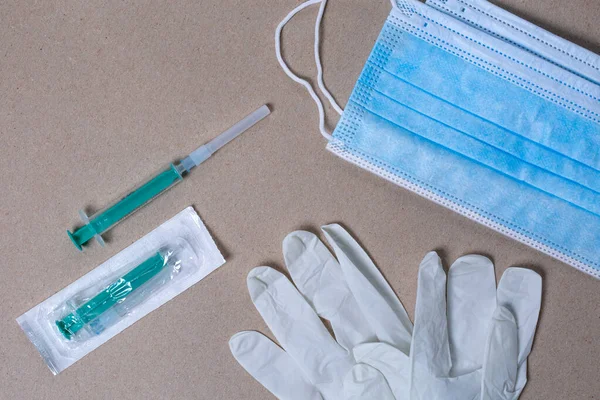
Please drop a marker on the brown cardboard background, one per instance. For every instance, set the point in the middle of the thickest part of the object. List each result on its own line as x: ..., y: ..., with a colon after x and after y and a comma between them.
x: 96, y: 96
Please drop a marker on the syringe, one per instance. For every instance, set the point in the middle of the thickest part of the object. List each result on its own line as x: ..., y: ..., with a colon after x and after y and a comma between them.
x: 115, y: 293
x: 102, y: 221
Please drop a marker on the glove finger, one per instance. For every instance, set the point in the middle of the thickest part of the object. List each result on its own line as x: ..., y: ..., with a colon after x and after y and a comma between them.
x: 296, y: 326
x: 430, y: 347
x: 271, y: 367
x: 471, y: 303
x: 392, y: 363
x: 318, y: 276
x: 500, y: 358
x: 520, y: 291
x: 366, y: 383
x: 376, y: 299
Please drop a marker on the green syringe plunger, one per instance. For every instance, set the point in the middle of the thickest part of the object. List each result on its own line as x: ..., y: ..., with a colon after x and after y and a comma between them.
x: 102, y: 221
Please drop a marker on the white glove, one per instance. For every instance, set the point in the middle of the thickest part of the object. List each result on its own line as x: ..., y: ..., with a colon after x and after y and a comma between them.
x: 350, y: 293
x: 474, y: 345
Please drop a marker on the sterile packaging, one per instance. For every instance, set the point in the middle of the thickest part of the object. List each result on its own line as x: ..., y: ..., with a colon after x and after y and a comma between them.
x: 113, y: 296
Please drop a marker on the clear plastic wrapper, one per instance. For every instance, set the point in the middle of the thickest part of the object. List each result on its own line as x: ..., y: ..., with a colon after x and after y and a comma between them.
x: 122, y: 290
x: 94, y: 309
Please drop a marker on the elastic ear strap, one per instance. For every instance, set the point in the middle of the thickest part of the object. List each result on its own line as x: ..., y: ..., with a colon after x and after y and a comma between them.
x: 301, y: 81
x: 318, y: 63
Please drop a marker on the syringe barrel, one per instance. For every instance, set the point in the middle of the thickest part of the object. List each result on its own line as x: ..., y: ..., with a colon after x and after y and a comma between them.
x: 127, y: 205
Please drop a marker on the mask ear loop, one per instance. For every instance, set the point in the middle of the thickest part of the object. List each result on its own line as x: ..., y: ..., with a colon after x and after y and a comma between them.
x: 296, y: 78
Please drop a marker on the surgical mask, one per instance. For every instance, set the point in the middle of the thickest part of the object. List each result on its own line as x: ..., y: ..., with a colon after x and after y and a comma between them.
x: 490, y: 18
x: 478, y: 124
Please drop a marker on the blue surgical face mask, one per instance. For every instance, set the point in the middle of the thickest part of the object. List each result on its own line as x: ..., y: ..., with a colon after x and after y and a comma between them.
x: 499, y: 127
x: 492, y: 19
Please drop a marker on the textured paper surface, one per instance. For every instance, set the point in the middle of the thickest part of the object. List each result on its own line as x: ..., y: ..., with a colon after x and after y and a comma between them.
x: 98, y: 96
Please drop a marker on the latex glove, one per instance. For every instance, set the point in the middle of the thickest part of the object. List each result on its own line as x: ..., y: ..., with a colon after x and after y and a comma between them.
x: 470, y: 341
x: 350, y: 293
